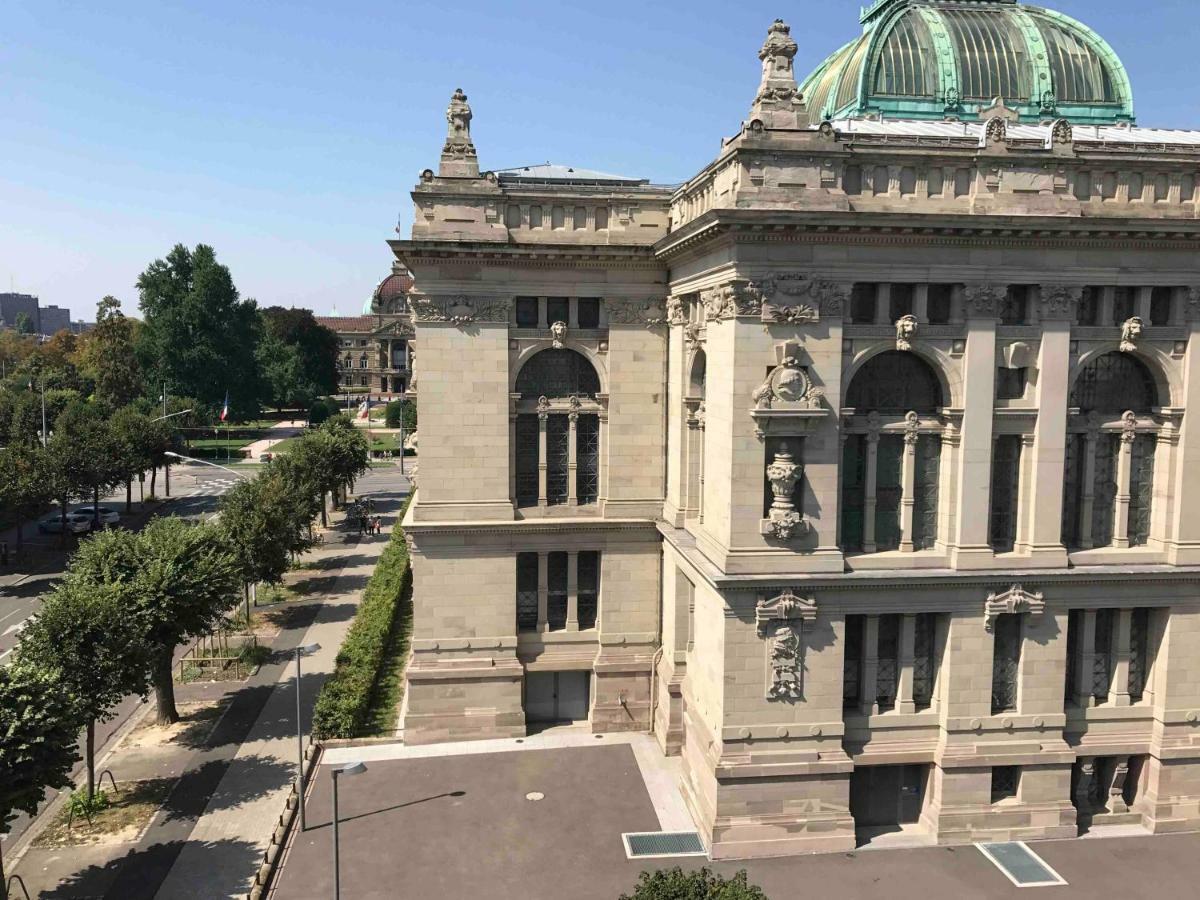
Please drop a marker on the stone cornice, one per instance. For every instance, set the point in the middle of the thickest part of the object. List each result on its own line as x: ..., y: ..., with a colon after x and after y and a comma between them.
x: 929, y: 229
x: 550, y: 525
x: 445, y: 252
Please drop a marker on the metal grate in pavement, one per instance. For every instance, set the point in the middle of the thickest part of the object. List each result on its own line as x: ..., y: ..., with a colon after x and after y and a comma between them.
x: 643, y: 844
x: 1020, y: 865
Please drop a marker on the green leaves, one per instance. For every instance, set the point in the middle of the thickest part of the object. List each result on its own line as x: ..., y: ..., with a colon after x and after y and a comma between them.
x: 703, y: 884
x: 265, y: 520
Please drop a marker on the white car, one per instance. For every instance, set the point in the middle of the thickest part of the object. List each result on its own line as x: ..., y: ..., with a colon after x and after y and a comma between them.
x: 109, y: 517
x: 77, y: 523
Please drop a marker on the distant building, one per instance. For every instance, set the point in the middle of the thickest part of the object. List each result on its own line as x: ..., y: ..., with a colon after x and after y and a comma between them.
x: 376, y: 352
x: 53, y: 319
x: 13, y: 305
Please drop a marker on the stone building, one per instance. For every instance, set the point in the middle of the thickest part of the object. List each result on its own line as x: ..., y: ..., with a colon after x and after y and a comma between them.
x: 859, y: 468
x: 376, y: 347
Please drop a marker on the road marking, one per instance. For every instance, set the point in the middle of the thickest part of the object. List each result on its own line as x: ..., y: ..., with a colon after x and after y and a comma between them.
x: 13, y: 629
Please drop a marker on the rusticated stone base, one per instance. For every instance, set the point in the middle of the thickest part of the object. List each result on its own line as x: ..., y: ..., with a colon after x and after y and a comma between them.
x: 463, y: 704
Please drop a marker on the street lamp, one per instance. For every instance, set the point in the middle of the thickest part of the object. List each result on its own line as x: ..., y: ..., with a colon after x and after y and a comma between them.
x: 306, y: 650
x: 355, y: 768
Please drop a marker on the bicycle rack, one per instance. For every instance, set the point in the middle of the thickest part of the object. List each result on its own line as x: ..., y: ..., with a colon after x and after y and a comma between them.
x: 8, y: 887
x: 111, y: 779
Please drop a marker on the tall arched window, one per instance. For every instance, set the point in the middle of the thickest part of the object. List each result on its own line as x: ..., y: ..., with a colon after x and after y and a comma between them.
x: 693, y: 408
x: 557, y: 439
x: 891, y: 455
x: 1111, y: 437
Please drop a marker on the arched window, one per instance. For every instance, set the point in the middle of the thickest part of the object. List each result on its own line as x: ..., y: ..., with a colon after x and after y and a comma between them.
x: 1111, y: 438
x: 557, y: 436
x: 892, y: 456
x: 693, y: 417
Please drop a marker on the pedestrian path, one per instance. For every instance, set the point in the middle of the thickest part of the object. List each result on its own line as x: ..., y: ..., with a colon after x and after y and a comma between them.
x: 279, y: 431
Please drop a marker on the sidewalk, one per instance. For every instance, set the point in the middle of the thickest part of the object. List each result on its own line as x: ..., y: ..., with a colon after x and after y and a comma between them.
x: 279, y: 431
x: 230, y: 777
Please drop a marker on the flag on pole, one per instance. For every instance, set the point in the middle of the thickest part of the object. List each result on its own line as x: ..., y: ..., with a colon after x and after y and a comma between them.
x: 225, y: 408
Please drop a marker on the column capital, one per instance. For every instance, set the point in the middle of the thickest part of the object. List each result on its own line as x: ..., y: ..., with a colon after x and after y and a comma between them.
x: 982, y: 299
x: 1060, y: 301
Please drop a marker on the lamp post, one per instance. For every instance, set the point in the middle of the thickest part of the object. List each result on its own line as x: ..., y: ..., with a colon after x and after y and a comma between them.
x: 301, y: 651
x: 355, y: 768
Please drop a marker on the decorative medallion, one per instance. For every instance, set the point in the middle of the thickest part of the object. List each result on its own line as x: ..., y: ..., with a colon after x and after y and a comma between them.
x: 788, y: 383
x: 1015, y: 600
x: 1062, y: 133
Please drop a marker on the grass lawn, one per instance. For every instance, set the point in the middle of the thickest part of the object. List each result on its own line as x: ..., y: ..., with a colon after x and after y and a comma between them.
x: 234, y: 443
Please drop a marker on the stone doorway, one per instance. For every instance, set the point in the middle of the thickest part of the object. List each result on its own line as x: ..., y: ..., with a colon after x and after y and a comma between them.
x: 557, y: 697
x: 887, y: 800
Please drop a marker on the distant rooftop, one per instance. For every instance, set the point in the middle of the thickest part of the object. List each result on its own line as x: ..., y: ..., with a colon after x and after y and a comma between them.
x: 1111, y: 134
x: 553, y: 172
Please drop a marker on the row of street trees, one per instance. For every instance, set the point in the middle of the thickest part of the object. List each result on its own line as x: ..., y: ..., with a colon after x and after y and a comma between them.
x: 110, y: 628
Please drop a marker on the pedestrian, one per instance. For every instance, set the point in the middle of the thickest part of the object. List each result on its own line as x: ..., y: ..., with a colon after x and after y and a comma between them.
x: 378, y: 525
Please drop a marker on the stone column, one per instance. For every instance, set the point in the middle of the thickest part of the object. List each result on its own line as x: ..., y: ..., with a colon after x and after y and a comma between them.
x: 1085, y: 665
x: 869, y: 489
x: 543, y: 312
x: 905, y: 702
x: 1025, y: 500
x: 1119, y: 693
x: 572, y: 590
x: 1116, y: 787
x: 543, y: 591
x: 572, y: 462
x: 1058, y: 305
x: 1183, y: 533
x: 1083, y: 787
x: 921, y: 303
x: 883, y: 304
x: 908, y: 469
x: 972, y: 545
x: 1141, y: 305
x: 542, y: 462
x: 1124, y: 469
x: 868, y: 694
x: 1108, y: 297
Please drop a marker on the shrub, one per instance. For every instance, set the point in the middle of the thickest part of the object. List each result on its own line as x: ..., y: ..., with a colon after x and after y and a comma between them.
x: 392, y: 413
x: 320, y: 411
x: 344, y: 702
x: 699, y: 885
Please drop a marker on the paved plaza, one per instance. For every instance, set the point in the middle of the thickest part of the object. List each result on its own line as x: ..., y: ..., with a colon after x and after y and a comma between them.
x: 455, y: 822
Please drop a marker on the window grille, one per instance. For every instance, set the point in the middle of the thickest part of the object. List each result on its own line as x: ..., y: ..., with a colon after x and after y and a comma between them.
x: 527, y: 312
x: 991, y: 54
x: 527, y: 459
x: 1014, y: 306
x: 587, y: 451
x: 895, y: 382
x: 1006, y: 661
x: 1006, y: 468
x: 558, y: 309
x: 905, y: 66
x: 1073, y: 489
x: 558, y: 456
x: 888, y: 665
x: 1080, y: 76
x: 924, y: 660
x: 1160, y: 306
x: 938, y: 303
x: 556, y: 597
x: 862, y: 303
x: 527, y: 591
x: 887, y: 491
x: 1139, y: 634
x: 587, y: 311
x: 854, y: 466
x: 925, y: 491
x: 1102, y: 655
x: 1104, y: 490
x: 558, y: 373
x: 901, y: 301
x: 1141, y: 488
x: 1088, y: 312
x: 1004, y: 782
x: 589, y: 588
x: 1123, y: 305
x: 852, y: 662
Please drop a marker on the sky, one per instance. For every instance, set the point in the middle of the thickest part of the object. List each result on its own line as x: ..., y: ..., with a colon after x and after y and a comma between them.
x: 288, y: 135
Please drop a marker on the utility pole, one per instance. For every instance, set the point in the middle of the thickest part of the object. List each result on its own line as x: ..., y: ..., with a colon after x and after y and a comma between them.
x: 44, y: 434
x: 402, y: 407
x: 166, y: 465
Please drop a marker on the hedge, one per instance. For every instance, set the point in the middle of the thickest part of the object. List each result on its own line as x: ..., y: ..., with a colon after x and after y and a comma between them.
x: 345, y: 699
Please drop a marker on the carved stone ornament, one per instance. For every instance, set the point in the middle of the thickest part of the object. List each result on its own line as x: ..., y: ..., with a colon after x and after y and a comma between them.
x: 573, y: 406
x: 459, y: 310
x: 1128, y: 427
x: 912, y: 425
x: 798, y: 298
x: 780, y: 621
x: 676, y: 312
x: 906, y: 332
x: 783, y: 519
x: 1060, y: 301
x: 740, y: 297
x: 778, y: 99
x: 997, y: 131
x: 1191, y: 305
x: 1062, y: 133
x: 1015, y: 600
x: 636, y: 312
x: 953, y: 99
x: 982, y: 299
x: 787, y: 384
x: 691, y: 335
x: 558, y: 334
x: 543, y: 407
x: 1131, y: 333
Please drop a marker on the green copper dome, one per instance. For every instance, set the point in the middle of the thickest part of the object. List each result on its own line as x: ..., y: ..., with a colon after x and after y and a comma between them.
x: 933, y: 59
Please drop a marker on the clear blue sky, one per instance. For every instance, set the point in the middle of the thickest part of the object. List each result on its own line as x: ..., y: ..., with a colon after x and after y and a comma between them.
x: 288, y: 135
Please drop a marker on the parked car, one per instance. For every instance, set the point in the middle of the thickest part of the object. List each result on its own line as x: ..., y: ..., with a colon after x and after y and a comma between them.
x: 77, y: 523
x: 265, y: 457
x: 109, y: 517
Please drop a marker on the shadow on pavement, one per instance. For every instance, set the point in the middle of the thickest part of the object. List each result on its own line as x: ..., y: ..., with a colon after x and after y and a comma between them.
x: 138, y: 874
x: 376, y: 812
x: 201, y: 788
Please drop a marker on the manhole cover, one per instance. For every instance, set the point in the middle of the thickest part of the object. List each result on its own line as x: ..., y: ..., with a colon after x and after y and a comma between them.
x: 535, y: 795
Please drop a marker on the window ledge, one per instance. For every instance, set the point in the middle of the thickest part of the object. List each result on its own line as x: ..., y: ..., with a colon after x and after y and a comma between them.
x: 1110, y: 556
x: 891, y: 719
x: 895, y: 559
x: 557, y: 511
x: 541, y: 638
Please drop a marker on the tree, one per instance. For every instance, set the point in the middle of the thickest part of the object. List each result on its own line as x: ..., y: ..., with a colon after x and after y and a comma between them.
x: 23, y: 323
x: 393, y: 413
x: 264, y: 525
x: 84, y: 634
x: 316, y: 348
x: 109, y: 358
x: 284, y: 384
x: 351, y: 455
x: 86, y: 455
x: 699, y: 885
x: 334, y: 454
x: 177, y: 582
x: 38, y: 734
x: 25, y: 424
x: 25, y: 482
x: 319, y: 411
x: 137, y: 440
x: 198, y: 336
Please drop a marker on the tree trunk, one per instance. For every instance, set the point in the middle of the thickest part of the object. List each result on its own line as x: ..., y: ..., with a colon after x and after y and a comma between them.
x: 246, y: 590
x: 153, y: 478
x: 95, y: 507
x: 90, y: 759
x: 128, y: 496
x: 324, y: 522
x: 20, y: 531
x: 62, y: 521
x: 166, y: 479
x: 164, y: 687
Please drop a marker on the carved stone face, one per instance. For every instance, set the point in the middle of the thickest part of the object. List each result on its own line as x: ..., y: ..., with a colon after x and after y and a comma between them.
x: 791, y: 384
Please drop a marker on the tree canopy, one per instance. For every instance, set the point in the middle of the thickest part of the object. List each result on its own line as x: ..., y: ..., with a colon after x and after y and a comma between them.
x: 702, y: 884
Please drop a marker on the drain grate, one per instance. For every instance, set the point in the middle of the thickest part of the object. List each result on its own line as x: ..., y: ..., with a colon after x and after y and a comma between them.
x: 643, y: 844
x: 1020, y: 865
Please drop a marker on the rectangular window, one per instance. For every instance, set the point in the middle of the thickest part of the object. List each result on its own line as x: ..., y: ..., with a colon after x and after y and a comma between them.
x: 936, y: 181
x: 1139, y: 655
x: 862, y: 303
x: 924, y: 659
x: 527, y: 312
x: 908, y: 181
x: 1006, y: 468
x: 1162, y: 186
x: 527, y: 459
x: 854, y: 463
x: 880, y: 180
x: 1010, y: 383
x: 962, y: 182
x: 587, y: 312
x: 1124, y: 305
x: 1014, y: 308
x: 527, y: 591
x: 1089, y: 307
x: 1083, y: 185
x: 1104, y: 490
x: 1102, y: 655
x: 589, y: 588
x: 512, y: 216
x: 587, y: 452
x: 901, y: 301
x: 558, y: 217
x: 938, y: 304
x: 1108, y: 185
x: 1141, y: 488
x: 1137, y: 187
x: 601, y: 218
x: 852, y: 180
x: 556, y: 595
x: 535, y: 217
x: 888, y: 664
x: 558, y: 451
x: 1073, y: 489
x: 1187, y: 188
x: 1160, y: 306
x: 1004, y: 782
x: 557, y: 310
x: 887, y: 492
x: 1006, y: 662
x: 580, y: 218
x: 925, y: 487
x: 852, y: 662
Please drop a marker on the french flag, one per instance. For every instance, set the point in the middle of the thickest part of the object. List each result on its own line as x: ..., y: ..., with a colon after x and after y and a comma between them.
x: 225, y: 408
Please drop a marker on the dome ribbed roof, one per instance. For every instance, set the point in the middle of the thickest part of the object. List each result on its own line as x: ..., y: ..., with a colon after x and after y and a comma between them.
x: 387, y: 294
x: 929, y: 59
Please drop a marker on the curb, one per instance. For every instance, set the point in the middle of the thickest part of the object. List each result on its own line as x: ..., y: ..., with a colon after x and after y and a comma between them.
x: 283, y: 828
